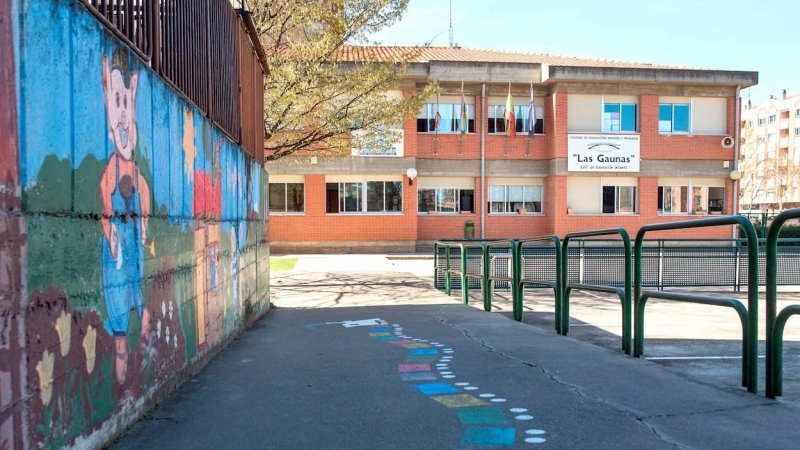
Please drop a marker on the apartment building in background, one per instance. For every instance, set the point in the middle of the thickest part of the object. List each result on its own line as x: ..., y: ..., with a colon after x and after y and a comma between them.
x: 615, y: 144
x: 770, y: 155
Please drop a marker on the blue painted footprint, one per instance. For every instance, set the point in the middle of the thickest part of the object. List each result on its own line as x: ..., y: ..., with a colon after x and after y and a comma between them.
x: 485, y: 423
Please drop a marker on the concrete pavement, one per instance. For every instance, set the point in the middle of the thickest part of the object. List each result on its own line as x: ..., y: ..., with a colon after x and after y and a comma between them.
x: 357, y: 354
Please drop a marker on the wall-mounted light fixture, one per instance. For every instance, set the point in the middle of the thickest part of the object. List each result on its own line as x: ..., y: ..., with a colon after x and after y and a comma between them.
x: 411, y: 173
x: 735, y: 175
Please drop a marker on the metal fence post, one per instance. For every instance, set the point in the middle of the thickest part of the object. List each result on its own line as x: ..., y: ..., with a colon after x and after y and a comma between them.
x: 464, y: 281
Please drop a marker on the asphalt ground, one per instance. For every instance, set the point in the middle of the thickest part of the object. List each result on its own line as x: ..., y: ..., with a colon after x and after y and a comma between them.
x: 362, y: 352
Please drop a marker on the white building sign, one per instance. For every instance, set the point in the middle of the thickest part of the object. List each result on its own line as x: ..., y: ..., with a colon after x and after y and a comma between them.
x: 603, y: 153
x: 377, y: 146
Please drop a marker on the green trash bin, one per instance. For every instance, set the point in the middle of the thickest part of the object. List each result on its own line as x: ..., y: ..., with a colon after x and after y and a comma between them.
x: 469, y: 230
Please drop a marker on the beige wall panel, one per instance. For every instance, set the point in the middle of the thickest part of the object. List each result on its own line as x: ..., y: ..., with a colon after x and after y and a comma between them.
x: 583, y: 194
x: 584, y: 113
x: 709, y: 116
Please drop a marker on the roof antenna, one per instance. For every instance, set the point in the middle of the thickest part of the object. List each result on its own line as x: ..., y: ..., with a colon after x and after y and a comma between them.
x: 451, y: 24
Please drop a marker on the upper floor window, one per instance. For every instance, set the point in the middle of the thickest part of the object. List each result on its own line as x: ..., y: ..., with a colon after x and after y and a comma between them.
x: 797, y: 131
x: 450, y: 118
x: 773, y: 118
x: 364, y: 197
x: 445, y: 200
x: 286, y: 197
x: 515, y: 198
x: 797, y: 112
x: 619, y: 117
x: 762, y: 121
x: 496, y: 123
x: 673, y: 117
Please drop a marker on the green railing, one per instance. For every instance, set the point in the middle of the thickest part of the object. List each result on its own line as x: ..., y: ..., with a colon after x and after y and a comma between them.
x: 776, y: 322
x: 489, y: 277
x: 748, y: 317
x: 463, y: 245
x: 520, y: 280
x: 624, y: 292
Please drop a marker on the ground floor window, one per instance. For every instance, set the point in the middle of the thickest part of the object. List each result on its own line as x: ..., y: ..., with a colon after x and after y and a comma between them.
x: 619, y: 199
x: 365, y: 196
x: 445, y: 200
x: 513, y: 198
x: 691, y: 199
x: 286, y: 197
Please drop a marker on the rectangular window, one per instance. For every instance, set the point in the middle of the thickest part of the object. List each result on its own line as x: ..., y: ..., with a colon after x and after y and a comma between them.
x: 797, y: 131
x: 762, y: 121
x: 286, y: 197
x: 773, y: 118
x: 513, y: 198
x: 797, y: 112
x: 496, y: 123
x: 450, y: 121
x: 384, y: 196
x: 619, y: 199
x: 445, y: 200
x: 619, y: 117
x: 703, y: 200
x: 364, y: 197
x: 673, y: 117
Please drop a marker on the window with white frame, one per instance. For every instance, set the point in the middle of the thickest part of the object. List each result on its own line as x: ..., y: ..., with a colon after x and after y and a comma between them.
x: 364, y: 196
x: 496, y: 123
x: 515, y: 198
x: 450, y: 112
x: 619, y: 117
x: 773, y: 118
x: 797, y: 131
x: 619, y: 199
x: 762, y: 121
x: 797, y: 113
x: 445, y: 200
x: 286, y: 197
x: 691, y: 196
x: 674, y: 117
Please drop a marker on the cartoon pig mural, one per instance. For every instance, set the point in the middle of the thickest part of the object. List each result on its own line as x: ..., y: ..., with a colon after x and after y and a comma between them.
x: 126, y: 207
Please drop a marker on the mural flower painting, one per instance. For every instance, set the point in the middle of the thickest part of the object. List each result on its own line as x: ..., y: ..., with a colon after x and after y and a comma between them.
x: 89, y: 345
x: 45, y: 369
x: 63, y: 327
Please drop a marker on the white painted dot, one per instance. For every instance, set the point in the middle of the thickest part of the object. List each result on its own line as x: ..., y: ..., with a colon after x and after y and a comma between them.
x: 423, y: 340
x: 435, y: 343
x: 441, y: 365
x: 518, y: 410
x: 486, y: 395
x: 448, y: 349
x: 524, y: 417
x: 446, y: 373
x: 535, y: 440
x: 534, y: 432
x: 439, y: 345
x: 470, y: 388
x: 416, y: 339
x: 498, y: 400
x: 395, y: 324
x: 462, y: 384
x: 448, y: 376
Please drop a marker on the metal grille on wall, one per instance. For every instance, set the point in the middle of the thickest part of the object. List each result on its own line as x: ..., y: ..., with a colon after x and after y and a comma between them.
x: 129, y: 20
x: 192, y: 44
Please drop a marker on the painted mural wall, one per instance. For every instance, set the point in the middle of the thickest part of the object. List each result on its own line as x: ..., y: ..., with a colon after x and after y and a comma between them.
x: 140, y: 240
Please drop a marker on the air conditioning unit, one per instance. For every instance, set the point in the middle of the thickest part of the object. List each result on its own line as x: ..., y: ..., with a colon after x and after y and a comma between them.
x: 727, y: 142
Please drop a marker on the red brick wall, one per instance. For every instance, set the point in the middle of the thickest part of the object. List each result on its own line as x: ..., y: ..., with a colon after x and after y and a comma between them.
x: 316, y: 225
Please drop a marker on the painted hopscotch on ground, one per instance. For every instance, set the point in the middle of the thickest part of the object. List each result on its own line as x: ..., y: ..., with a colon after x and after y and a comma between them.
x: 486, y: 423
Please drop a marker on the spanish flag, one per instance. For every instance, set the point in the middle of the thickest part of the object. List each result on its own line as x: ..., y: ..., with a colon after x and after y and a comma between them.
x: 463, y: 116
x: 511, y: 121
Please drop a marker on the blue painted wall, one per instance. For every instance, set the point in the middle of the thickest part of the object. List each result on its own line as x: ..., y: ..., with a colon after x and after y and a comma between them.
x: 145, y: 230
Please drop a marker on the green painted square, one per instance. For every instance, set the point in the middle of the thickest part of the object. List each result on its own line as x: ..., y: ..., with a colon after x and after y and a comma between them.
x: 481, y: 416
x: 421, y: 359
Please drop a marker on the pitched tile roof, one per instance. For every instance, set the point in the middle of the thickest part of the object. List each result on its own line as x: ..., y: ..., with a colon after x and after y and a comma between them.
x: 460, y: 54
